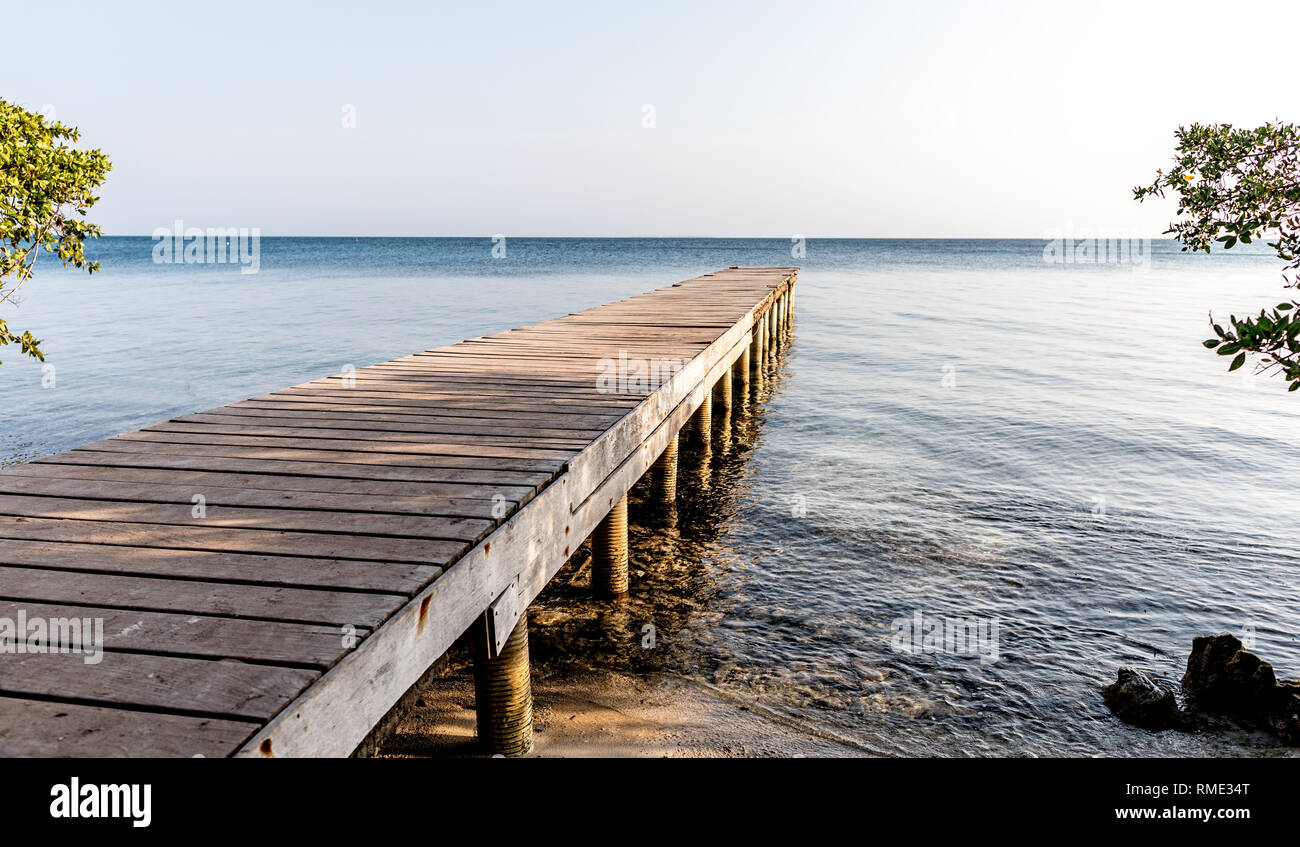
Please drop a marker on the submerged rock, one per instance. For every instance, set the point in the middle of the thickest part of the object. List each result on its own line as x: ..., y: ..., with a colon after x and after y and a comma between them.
x: 1138, y: 699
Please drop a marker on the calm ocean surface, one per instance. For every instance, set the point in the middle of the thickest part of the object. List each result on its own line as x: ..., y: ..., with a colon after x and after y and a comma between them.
x: 957, y: 429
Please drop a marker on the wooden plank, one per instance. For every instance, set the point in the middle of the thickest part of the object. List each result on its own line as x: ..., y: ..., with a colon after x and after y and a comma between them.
x: 487, y: 442
x: 207, y: 436
x: 222, y: 689
x: 531, y: 436
x: 433, y: 496
x: 70, y: 545
x: 52, y: 729
x: 272, y: 603
x: 505, y: 417
x: 297, y: 466
x: 260, y: 541
x: 296, y: 455
x: 519, y: 400
x: 217, y: 513
x: 203, y: 636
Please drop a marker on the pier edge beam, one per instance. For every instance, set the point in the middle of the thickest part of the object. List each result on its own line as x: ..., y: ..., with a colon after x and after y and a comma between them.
x: 663, y: 474
x: 609, y: 552
x: 503, y: 693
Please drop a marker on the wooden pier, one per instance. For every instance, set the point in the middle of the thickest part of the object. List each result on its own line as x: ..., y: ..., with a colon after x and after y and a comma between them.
x: 274, y: 575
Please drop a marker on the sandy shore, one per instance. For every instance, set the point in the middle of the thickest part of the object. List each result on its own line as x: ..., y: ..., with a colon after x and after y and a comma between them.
x: 607, y: 714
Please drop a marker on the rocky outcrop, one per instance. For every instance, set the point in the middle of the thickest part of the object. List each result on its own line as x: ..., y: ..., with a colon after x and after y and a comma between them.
x: 1284, y: 719
x: 1222, y: 677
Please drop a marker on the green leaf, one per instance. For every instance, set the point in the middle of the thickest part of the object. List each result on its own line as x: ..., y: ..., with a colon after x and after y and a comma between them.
x: 1237, y: 362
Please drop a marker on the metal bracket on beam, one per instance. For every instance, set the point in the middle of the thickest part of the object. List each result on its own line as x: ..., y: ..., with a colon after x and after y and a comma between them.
x: 501, y: 617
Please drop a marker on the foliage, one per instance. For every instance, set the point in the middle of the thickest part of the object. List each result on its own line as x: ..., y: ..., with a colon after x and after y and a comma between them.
x: 1236, y: 186
x: 46, y: 187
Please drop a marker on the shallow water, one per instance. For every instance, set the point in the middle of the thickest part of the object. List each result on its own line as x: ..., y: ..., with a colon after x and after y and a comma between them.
x: 956, y: 428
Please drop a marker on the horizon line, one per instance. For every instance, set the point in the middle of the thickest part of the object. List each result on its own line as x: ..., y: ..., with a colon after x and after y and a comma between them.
x: 1074, y: 237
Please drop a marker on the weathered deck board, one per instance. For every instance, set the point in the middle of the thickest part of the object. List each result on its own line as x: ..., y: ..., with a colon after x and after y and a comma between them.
x: 78, y: 546
x: 374, y: 493
x: 300, y: 605
x: 303, y: 467
x: 202, y: 636
x: 351, y: 528
x: 59, y: 728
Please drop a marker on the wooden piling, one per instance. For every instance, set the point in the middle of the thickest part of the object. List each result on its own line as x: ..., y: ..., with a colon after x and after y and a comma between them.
x: 609, y: 552
x: 663, y: 474
x: 702, y: 422
x: 503, y: 693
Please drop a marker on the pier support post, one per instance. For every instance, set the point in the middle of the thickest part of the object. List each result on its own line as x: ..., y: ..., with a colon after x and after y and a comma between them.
x: 503, y: 693
x: 741, y: 369
x: 663, y: 474
x: 609, y: 552
x: 724, y: 390
x: 758, y: 345
x: 702, y: 421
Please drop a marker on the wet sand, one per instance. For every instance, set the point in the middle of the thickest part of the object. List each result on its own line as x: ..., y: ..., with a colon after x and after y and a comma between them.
x: 599, y: 713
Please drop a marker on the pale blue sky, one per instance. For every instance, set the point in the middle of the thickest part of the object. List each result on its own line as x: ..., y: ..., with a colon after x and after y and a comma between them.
x: 823, y: 119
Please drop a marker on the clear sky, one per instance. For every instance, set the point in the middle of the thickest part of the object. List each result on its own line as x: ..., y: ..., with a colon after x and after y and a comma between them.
x: 769, y: 119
